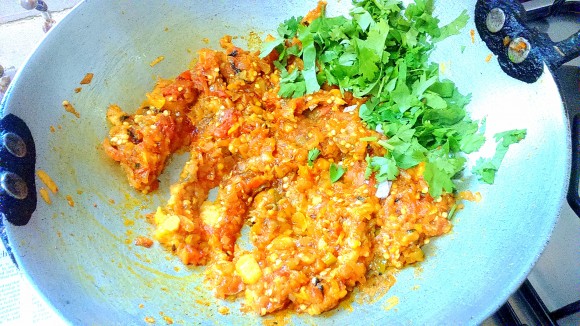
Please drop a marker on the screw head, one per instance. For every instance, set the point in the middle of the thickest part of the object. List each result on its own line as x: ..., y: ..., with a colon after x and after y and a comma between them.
x: 28, y: 4
x: 13, y: 185
x: 14, y: 144
x: 495, y: 20
x: 519, y: 49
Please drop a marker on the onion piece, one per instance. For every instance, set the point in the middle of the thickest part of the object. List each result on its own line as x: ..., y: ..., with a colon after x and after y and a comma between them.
x: 379, y: 129
x: 384, y: 189
x: 350, y: 108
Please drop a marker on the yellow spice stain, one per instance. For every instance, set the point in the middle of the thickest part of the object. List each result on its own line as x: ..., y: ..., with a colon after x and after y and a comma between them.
x: 70, y: 201
x: 150, y: 320
x: 391, y: 302
x: 141, y: 306
x: 45, y: 196
x: 468, y: 195
x: 506, y: 41
x: 52, y: 129
x: 68, y: 107
x: 375, y: 288
x: 224, y: 310
x: 47, y: 180
x: 254, y: 41
x: 418, y: 271
x: 279, y: 318
x: 168, y: 320
x: 472, y: 34
x: 202, y: 302
x: 157, y: 60
x: 488, y: 58
x: 87, y: 79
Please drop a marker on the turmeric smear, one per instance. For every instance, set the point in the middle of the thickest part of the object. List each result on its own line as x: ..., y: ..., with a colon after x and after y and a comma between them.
x: 45, y: 196
x: 157, y: 60
x: 70, y: 108
x: 70, y: 201
x: 87, y: 79
x: 472, y: 34
x: 47, y: 180
x: 468, y: 195
x: 392, y: 302
x: 506, y: 41
x: 168, y: 320
x: 488, y: 58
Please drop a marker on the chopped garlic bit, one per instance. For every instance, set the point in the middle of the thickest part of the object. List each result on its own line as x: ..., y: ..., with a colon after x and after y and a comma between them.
x: 384, y: 189
x: 350, y: 108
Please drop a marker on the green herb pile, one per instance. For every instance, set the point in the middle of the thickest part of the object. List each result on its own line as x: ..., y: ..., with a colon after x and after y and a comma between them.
x: 382, y: 52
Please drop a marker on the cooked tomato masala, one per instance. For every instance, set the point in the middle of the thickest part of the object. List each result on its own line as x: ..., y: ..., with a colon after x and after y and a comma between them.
x: 313, y: 238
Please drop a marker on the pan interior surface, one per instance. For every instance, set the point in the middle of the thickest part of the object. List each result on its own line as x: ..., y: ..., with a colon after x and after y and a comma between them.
x: 78, y: 250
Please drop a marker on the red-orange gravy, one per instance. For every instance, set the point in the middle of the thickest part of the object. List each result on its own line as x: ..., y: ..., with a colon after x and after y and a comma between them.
x: 312, y: 240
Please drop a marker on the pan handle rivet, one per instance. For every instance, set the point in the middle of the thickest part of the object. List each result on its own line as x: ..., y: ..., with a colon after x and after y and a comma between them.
x: 495, y: 20
x: 519, y: 49
x: 13, y: 185
x: 14, y: 144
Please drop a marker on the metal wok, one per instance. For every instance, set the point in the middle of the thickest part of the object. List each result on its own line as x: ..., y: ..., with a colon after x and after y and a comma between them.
x: 81, y: 257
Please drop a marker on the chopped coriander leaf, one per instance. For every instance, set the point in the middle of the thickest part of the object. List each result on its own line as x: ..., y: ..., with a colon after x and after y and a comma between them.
x: 486, y: 169
x: 454, y: 27
x: 381, y: 52
x: 312, y: 156
x: 369, y: 139
x: 336, y: 172
x: 385, y: 168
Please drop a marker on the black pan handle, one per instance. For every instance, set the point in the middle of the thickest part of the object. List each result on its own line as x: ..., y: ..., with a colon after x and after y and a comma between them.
x: 17, y: 169
x: 522, y: 51
x: 573, y: 195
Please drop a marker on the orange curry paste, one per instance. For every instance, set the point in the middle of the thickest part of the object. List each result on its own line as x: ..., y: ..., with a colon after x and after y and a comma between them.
x: 312, y: 240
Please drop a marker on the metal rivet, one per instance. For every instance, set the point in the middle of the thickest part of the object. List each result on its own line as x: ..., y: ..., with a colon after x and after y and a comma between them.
x: 519, y: 49
x: 28, y: 4
x: 13, y: 185
x: 495, y: 20
x: 14, y: 144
